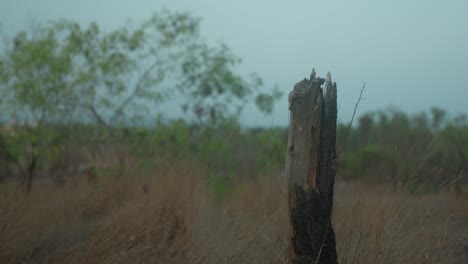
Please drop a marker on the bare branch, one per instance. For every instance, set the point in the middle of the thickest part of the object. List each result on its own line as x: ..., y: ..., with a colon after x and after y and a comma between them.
x: 97, y: 116
x: 137, y: 89
x: 348, y: 130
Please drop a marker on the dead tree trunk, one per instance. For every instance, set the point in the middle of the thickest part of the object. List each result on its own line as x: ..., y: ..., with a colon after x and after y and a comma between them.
x: 311, y: 165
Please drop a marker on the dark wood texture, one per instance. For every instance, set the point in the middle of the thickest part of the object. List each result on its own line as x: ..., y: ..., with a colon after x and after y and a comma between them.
x: 311, y: 165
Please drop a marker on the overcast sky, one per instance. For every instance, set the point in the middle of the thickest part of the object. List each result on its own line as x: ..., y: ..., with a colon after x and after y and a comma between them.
x: 411, y: 54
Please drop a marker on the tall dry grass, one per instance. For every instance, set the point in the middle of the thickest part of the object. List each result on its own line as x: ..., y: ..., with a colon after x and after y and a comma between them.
x: 171, y: 216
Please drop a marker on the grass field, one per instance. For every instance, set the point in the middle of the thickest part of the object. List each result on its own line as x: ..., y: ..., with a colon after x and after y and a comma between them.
x: 173, y: 217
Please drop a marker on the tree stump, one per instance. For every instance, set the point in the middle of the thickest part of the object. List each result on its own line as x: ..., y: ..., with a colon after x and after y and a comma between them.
x: 311, y: 165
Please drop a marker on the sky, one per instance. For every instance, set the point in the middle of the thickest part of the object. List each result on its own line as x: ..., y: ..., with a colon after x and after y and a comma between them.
x: 412, y: 55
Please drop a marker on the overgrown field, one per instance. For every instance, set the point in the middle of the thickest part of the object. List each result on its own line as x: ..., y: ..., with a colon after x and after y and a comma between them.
x: 96, y: 166
x: 183, y: 193
x: 173, y: 215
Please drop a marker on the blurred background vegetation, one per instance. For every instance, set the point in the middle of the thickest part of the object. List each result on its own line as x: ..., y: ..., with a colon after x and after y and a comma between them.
x: 79, y: 101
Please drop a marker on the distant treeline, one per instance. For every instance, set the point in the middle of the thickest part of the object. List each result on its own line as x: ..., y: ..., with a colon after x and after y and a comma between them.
x: 425, y: 152
x: 422, y: 152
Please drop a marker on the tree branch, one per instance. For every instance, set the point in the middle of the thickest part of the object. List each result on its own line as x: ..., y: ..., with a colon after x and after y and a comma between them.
x: 97, y: 116
x: 348, y: 130
x: 131, y: 97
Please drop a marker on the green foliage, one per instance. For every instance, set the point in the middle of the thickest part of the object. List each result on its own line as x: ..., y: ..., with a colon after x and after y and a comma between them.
x: 64, y: 73
x: 265, y: 101
x: 113, y: 77
x: 172, y: 139
x: 219, y: 184
x: 451, y: 151
x: 427, y: 149
x: 118, y: 74
x: 35, y: 74
x: 368, y: 159
x: 438, y: 117
x: 272, y: 146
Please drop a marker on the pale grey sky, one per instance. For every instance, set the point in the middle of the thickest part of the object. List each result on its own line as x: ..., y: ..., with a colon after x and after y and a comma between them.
x: 413, y: 54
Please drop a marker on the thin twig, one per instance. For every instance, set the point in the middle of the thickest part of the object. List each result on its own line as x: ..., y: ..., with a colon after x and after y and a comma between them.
x: 348, y: 130
x: 281, y: 258
x: 198, y: 260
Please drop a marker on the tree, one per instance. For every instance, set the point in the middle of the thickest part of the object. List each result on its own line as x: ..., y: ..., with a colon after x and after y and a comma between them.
x: 438, y: 117
x: 34, y: 75
x: 62, y: 72
x: 120, y: 75
x: 366, y: 123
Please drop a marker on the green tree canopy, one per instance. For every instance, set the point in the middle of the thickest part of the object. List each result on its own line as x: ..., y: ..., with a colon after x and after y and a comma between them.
x: 63, y: 68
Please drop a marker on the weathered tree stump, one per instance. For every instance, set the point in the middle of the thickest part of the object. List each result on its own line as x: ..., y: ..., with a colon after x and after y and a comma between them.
x: 311, y: 165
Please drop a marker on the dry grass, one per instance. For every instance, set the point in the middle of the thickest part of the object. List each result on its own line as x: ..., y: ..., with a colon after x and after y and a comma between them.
x: 374, y: 225
x: 171, y: 217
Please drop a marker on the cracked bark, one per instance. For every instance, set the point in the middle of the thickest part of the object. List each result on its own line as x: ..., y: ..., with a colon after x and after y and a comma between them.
x: 311, y: 165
